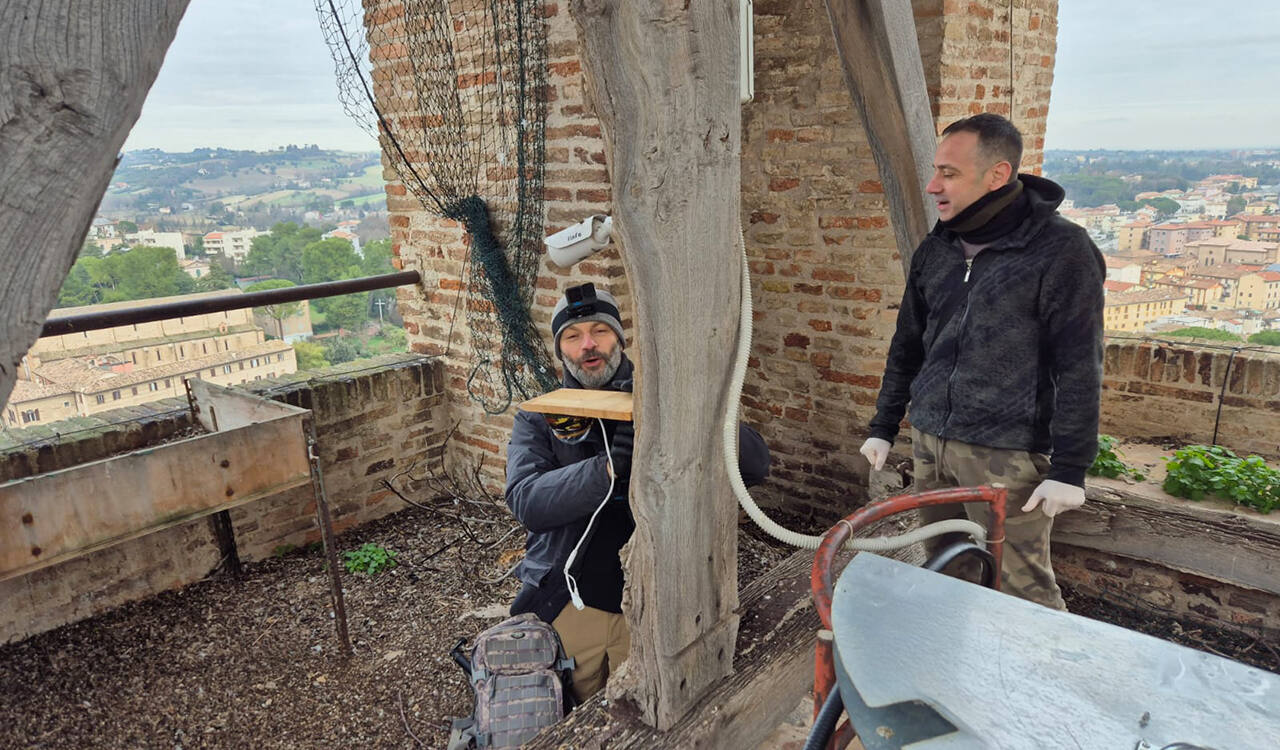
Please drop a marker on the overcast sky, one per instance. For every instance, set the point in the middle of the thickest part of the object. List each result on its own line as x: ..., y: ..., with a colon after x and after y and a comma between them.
x: 255, y: 74
x: 1166, y: 74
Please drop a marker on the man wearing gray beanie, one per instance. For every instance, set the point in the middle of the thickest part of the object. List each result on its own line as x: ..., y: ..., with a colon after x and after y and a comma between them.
x: 569, y: 489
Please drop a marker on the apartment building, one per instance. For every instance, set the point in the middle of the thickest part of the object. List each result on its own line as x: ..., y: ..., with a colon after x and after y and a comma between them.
x: 151, y: 238
x: 1229, y: 276
x: 1171, y: 239
x: 83, y: 373
x: 233, y: 244
x: 1132, y: 236
x: 1241, y: 252
x: 1257, y: 227
x: 1135, y: 310
x: 1199, y: 292
x: 1260, y: 291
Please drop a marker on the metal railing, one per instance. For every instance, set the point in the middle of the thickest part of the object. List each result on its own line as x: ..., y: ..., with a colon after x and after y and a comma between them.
x: 94, y: 321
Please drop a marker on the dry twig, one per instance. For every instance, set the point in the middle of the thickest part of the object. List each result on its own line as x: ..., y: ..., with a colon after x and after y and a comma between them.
x: 405, y: 719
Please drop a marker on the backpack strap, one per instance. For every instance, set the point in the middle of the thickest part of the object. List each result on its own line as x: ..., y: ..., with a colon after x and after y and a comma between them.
x: 462, y: 734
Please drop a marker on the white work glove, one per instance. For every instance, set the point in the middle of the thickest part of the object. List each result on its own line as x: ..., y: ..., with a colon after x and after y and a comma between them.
x: 876, y: 451
x: 1057, y: 497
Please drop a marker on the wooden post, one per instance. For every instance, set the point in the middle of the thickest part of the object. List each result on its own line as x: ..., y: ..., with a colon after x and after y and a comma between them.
x: 663, y: 77
x: 876, y: 40
x: 74, y: 75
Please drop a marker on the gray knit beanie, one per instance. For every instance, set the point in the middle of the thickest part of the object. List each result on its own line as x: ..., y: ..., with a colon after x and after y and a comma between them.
x: 585, y: 303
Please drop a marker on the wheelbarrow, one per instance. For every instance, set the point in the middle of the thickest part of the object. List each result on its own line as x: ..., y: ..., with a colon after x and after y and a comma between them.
x: 924, y: 661
x: 828, y: 702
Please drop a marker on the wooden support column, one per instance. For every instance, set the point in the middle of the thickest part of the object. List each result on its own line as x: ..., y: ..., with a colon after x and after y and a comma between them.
x: 73, y: 76
x: 663, y: 77
x: 877, y: 43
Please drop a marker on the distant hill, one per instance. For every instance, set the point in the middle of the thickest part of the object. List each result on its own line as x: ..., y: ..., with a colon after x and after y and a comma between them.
x: 208, y: 183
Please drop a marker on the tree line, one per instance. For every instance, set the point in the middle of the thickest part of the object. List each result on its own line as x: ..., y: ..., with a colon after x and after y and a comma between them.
x: 289, y: 254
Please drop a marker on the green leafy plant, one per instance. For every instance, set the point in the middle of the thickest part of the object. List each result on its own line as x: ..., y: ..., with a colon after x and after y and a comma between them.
x: 370, y: 559
x: 1198, y: 471
x: 1108, y: 463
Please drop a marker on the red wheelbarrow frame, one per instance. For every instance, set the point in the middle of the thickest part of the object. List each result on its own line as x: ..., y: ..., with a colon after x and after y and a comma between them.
x: 824, y: 670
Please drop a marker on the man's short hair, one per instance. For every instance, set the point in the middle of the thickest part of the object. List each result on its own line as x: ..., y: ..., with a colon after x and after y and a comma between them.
x: 998, y: 139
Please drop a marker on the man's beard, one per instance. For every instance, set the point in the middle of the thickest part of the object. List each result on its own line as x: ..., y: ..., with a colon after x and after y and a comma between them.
x: 595, y: 380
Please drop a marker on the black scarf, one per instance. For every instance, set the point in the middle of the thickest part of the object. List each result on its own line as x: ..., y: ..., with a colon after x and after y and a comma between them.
x: 992, y: 216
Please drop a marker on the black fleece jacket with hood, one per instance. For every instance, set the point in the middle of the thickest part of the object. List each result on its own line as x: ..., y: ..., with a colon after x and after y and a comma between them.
x: 1007, y: 352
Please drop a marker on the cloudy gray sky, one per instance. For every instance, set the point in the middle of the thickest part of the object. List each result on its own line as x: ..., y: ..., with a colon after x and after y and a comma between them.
x: 1166, y: 74
x: 1163, y: 74
x: 247, y: 74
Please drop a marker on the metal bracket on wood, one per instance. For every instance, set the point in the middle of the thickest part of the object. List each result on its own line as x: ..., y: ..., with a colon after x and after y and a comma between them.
x: 326, y: 534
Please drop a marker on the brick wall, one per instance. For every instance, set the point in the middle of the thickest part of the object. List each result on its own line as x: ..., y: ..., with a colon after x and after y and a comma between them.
x: 991, y: 57
x: 1144, y: 586
x: 1156, y: 389
x: 826, y: 277
x: 577, y: 184
x: 373, y: 419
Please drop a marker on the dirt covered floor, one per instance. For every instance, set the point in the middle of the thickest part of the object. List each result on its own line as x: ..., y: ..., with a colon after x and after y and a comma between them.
x: 254, y: 662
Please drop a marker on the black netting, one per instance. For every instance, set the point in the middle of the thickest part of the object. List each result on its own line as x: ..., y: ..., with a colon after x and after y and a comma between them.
x: 458, y: 104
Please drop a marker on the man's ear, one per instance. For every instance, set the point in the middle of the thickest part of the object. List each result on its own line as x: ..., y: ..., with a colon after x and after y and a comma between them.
x: 1001, y: 174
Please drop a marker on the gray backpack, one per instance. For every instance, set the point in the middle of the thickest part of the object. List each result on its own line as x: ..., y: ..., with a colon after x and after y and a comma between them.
x: 520, y: 676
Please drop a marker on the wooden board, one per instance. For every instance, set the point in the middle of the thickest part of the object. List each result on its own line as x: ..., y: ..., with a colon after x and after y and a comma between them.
x: 75, y: 77
x: 663, y: 79
x: 582, y: 402
x: 219, y: 408
x: 1208, y: 539
x: 50, y: 518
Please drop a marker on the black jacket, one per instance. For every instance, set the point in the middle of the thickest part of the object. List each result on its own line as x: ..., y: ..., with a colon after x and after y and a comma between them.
x: 553, y: 487
x: 1012, y: 356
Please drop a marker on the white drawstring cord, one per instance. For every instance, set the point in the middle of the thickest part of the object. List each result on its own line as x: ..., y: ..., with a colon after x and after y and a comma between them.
x: 573, y: 555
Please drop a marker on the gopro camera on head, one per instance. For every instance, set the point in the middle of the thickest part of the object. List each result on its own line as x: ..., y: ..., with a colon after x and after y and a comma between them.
x: 582, y: 299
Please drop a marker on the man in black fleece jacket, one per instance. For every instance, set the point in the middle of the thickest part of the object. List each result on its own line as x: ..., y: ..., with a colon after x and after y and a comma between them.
x: 998, y: 348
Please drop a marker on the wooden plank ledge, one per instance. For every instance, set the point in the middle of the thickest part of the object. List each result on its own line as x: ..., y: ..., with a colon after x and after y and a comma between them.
x: 1209, y: 538
x: 583, y: 402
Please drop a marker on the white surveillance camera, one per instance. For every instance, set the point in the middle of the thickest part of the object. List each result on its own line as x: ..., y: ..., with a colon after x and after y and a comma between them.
x: 572, y: 244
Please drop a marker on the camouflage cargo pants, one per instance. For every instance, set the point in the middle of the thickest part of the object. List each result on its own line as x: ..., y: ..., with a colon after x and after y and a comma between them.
x: 1027, y: 572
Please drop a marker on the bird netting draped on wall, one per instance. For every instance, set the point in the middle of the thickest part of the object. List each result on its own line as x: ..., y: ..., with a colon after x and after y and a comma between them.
x: 458, y: 104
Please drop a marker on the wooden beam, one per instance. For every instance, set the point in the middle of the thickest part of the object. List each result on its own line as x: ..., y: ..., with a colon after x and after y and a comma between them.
x: 75, y: 76
x: 663, y: 78
x: 876, y: 41
x: 1209, y: 538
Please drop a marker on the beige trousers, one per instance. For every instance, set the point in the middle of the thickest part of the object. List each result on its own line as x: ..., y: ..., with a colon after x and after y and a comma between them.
x: 597, y: 640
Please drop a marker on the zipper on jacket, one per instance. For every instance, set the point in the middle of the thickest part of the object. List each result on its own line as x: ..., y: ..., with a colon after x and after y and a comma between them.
x: 955, y: 362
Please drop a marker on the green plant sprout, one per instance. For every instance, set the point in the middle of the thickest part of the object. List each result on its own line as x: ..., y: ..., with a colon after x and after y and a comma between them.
x: 1108, y: 463
x: 1198, y: 471
x: 370, y: 559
